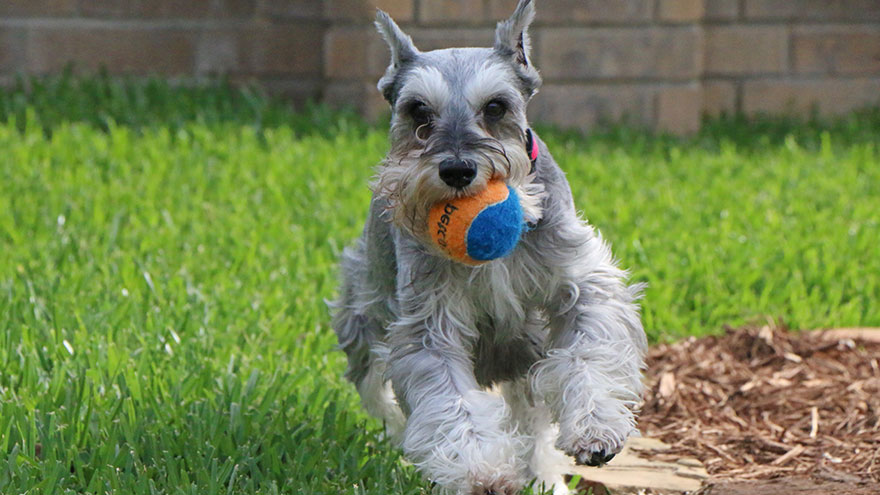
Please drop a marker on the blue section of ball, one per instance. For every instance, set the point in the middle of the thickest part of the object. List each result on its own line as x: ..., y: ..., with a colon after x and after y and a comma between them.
x: 495, y: 231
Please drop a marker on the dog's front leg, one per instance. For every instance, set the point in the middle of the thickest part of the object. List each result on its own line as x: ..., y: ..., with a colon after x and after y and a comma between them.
x: 591, y: 377
x: 456, y: 433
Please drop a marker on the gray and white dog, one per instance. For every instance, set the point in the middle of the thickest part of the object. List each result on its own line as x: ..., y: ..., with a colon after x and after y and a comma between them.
x: 495, y: 375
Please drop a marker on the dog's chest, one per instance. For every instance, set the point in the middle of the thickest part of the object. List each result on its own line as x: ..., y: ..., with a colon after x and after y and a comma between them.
x: 504, y: 292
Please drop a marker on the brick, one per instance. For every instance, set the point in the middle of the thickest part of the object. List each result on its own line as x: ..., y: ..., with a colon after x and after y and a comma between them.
x: 593, y: 11
x: 452, y: 11
x: 105, y: 8
x: 190, y: 9
x: 736, y: 50
x: 799, y: 97
x: 283, y: 49
x: 821, y: 10
x: 292, y: 9
x: 37, y: 8
x: 12, y: 49
x: 217, y: 52
x: 680, y: 10
x: 233, y: 8
x: 354, y: 52
x: 140, y: 51
x: 358, y: 51
x: 364, y: 10
x: 361, y: 97
x: 584, y: 106
x: 200, y: 9
x: 719, y: 97
x: 596, y: 11
x: 679, y: 109
x: 502, y: 9
x: 435, y: 38
x: 653, y: 53
x: 580, y: 11
x: 722, y: 10
x: 837, y: 50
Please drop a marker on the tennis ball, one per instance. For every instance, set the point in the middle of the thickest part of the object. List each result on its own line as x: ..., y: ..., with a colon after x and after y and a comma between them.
x: 480, y: 228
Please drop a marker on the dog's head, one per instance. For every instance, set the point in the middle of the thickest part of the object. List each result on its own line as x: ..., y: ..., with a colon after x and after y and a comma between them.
x: 458, y: 120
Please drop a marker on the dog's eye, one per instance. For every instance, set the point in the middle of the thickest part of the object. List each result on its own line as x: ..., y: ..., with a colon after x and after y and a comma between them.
x: 494, y: 110
x: 421, y: 114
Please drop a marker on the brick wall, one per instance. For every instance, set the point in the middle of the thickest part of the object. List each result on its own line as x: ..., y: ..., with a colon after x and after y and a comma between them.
x: 659, y: 63
x: 793, y: 55
x: 276, y: 42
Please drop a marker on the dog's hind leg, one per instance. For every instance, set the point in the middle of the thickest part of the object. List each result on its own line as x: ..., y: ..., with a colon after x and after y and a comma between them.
x: 360, y: 315
x: 358, y: 337
x: 378, y: 398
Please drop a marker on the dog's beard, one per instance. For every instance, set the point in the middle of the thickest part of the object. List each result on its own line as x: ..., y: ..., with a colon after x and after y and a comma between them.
x: 409, y: 180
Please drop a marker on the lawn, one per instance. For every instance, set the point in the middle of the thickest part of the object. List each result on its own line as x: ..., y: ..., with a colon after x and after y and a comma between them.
x: 165, y: 254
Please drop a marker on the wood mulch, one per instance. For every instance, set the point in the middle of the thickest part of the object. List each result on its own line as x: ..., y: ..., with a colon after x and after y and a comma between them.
x: 761, y: 403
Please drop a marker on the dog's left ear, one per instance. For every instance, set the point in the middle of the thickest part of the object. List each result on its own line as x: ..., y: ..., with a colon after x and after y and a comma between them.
x: 512, y: 43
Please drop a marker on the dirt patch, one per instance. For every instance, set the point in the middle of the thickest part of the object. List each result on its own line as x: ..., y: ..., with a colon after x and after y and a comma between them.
x: 763, y: 403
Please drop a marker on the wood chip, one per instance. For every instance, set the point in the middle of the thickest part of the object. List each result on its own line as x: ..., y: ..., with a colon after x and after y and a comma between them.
x: 791, y: 454
x: 814, y: 426
x: 667, y: 384
x: 793, y: 357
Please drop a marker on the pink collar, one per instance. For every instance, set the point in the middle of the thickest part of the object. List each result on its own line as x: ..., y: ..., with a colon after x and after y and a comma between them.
x: 531, y: 148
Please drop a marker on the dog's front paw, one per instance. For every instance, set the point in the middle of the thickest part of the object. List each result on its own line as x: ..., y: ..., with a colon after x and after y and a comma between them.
x: 595, y: 438
x: 499, y: 487
x: 591, y: 453
x: 594, y: 448
x: 595, y: 458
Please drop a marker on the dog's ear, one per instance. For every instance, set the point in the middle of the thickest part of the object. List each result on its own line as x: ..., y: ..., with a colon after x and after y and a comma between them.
x: 402, y: 51
x: 512, y: 43
x: 512, y: 37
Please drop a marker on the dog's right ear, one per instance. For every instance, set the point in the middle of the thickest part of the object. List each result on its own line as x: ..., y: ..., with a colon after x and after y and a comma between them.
x: 402, y: 51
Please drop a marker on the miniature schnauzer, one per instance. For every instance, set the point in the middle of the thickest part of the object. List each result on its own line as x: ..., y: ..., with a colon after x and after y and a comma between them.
x: 492, y: 376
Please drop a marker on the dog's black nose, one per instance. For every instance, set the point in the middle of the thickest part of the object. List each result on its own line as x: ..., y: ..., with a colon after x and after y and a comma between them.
x: 456, y: 172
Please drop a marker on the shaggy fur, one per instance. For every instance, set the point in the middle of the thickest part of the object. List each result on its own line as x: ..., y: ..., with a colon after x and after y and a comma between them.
x: 488, y: 376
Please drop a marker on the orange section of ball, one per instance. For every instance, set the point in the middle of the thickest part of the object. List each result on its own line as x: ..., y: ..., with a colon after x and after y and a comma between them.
x: 448, y: 221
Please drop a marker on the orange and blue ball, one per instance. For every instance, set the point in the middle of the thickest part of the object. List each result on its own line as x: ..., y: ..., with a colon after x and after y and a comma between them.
x: 480, y: 228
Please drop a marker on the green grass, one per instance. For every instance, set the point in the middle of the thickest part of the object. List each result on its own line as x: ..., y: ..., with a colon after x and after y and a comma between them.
x: 164, y: 255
